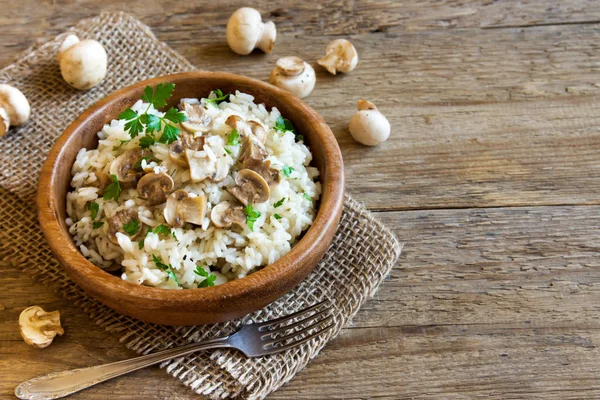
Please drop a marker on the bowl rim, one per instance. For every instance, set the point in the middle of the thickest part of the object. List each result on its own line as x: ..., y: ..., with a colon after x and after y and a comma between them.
x: 332, y: 197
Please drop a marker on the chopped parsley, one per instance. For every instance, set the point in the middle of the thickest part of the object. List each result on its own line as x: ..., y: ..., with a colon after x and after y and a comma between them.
x: 251, y: 216
x: 132, y: 227
x: 97, y: 224
x: 284, y: 125
x: 218, y: 100
x: 287, y: 170
x: 162, y: 230
x: 141, y: 243
x: 153, y: 123
x: 167, y: 268
x: 279, y: 203
x: 113, y: 190
x: 147, y: 141
x: 94, y: 207
x: 233, y: 139
x: 307, y: 197
x: 210, y: 278
x: 277, y: 216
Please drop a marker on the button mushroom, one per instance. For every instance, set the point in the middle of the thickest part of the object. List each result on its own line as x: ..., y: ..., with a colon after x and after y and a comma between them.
x: 14, y: 108
x: 124, y: 166
x: 82, y: 63
x: 340, y: 56
x: 294, y: 75
x: 182, y: 208
x: 369, y: 126
x: 197, y: 118
x: 250, y: 188
x: 38, y: 327
x: 178, y: 147
x: 224, y: 214
x: 246, y: 31
x: 116, y: 222
x: 201, y: 166
x: 154, y: 188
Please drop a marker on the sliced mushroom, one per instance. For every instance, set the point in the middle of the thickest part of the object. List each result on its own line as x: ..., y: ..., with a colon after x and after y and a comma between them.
x: 250, y: 188
x: 178, y: 147
x: 236, y: 122
x: 116, y: 222
x: 258, y: 130
x: 102, y: 181
x: 201, y: 166
x: 181, y: 208
x: 197, y: 118
x: 38, y: 327
x: 124, y: 166
x: 270, y: 175
x: 253, y: 152
x: 154, y: 188
x: 224, y: 214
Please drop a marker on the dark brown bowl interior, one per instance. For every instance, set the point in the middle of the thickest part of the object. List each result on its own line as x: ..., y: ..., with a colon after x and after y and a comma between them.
x: 192, y: 306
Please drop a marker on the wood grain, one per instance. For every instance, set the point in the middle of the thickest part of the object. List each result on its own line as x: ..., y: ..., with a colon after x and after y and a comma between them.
x: 493, y: 104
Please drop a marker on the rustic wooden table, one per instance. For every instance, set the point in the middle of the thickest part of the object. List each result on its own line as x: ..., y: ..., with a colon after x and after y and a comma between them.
x: 490, y: 177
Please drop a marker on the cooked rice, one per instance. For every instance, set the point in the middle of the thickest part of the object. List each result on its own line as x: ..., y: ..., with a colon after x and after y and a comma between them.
x: 228, y: 254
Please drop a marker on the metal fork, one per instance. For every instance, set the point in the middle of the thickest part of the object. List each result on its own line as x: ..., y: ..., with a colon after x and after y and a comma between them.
x: 254, y: 340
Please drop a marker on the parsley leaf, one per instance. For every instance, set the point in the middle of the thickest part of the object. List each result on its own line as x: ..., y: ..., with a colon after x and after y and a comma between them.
x: 287, y: 170
x: 300, y: 138
x: 251, y: 216
x: 277, y: 216
x: 210, y: 278
x: 132, y: 227
x: 218, y: 100
x: 153, y: 123
x: 169, y: 135
x: 307, y: 197
x: 113, y: 190
x: 147, y: 141
x: 284, y: 125
x: 94, y: 207
x: 97, y: 224
x: 164, y: 267
x: 233, y: 139
x: 141, y: 244
x: 279, y: 203
x: 162, y: 230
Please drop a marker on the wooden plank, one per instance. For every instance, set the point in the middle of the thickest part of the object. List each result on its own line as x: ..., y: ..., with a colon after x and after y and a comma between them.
x: 485, y: 302
x: 182, y: 23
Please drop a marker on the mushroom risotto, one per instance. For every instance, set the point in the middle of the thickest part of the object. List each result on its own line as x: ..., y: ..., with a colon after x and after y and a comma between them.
x: 193, y: 197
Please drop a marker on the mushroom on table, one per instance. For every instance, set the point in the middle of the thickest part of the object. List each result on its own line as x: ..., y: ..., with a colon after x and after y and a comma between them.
x: 38, y: 327
x: 14, y: 108
x: 294, y: 75
x: 246, y: 32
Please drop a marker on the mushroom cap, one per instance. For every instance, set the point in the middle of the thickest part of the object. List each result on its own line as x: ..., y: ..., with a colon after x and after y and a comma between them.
x: 250, y: 188
x: 197, y: 118
x: 116, y: 222
x: 15, y: 104
x: 124, y: 165
x: 178, y: 147
x: 369, y: 126
x: 246, y: 31
x: 340, y: 56
x: 294, y: 75
x: 224, y: 214
x: 154, y: 188
x: 83, y: 64
x: 170, y: 212
x: 38, y: 327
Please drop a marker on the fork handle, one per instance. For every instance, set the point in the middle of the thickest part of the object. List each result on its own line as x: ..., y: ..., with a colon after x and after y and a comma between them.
x: 60, y: 384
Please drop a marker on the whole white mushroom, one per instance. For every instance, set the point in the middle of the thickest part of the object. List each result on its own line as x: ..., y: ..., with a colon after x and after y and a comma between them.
x: 246, y: 31
x: 294, y: 75
x: 82, y: 63
x: 14, y: 108
x: 369, y: 126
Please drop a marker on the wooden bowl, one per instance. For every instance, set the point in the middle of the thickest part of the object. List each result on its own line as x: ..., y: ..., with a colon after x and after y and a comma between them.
x: 205, y: 305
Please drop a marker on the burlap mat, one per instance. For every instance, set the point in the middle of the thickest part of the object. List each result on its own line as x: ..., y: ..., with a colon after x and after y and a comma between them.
x: 362, y: 254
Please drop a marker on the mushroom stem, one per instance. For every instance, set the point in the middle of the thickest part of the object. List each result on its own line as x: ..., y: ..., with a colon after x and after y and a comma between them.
x: 267, y: 38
